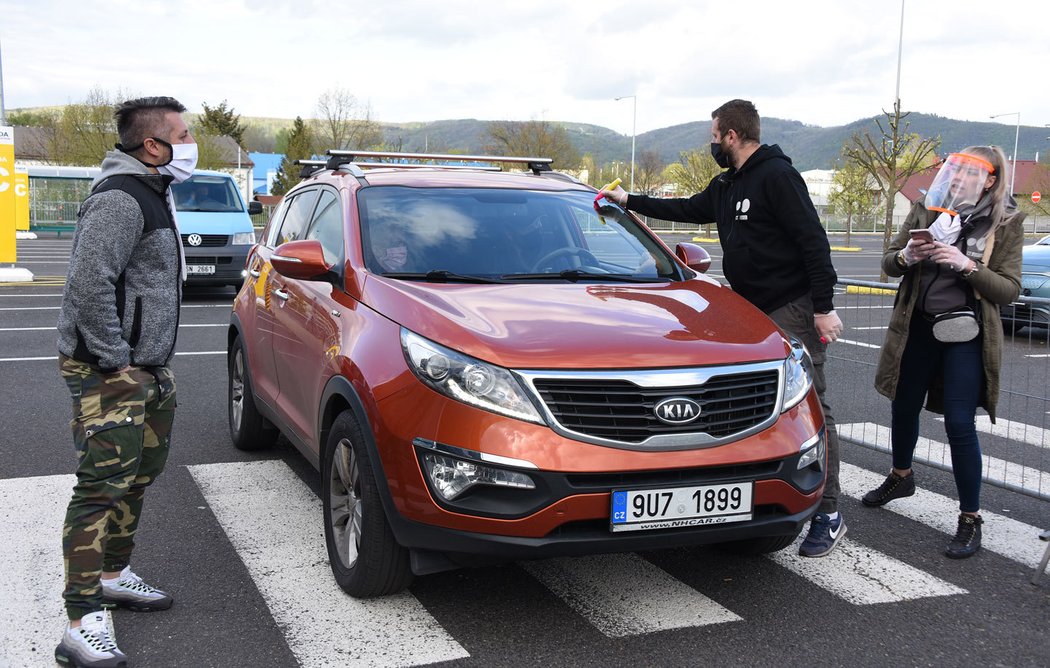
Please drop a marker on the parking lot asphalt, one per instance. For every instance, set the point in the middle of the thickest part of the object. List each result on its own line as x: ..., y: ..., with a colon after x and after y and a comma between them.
x: 235, y: 536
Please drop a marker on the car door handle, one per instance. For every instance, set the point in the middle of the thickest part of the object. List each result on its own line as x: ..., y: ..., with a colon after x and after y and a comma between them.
x: 282, y: 294
x: 255, y: 273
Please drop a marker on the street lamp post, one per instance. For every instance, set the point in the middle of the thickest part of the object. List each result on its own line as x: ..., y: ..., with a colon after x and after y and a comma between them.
x: 1017, y: 133
x: 634, y: 125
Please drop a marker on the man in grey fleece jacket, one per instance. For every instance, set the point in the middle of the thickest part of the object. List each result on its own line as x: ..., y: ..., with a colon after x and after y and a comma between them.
x: 117, y: 330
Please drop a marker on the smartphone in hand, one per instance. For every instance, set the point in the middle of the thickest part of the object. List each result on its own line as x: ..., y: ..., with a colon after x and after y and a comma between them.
x: 924, y: 235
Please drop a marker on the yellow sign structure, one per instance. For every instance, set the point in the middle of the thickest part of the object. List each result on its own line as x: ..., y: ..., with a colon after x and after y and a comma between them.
x: 21, y: 199
x: 7, y: 194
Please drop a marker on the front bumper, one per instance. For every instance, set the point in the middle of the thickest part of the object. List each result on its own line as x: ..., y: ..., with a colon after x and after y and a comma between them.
x: 228, y: 262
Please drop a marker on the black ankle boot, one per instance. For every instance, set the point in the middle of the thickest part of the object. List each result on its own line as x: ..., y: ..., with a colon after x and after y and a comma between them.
x: 967, y: 537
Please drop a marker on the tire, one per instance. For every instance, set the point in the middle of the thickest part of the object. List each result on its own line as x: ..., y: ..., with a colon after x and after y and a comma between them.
x: 249, y: 430
x: 1011, y: 327
x: 366, y: 559
x: 755, y: 546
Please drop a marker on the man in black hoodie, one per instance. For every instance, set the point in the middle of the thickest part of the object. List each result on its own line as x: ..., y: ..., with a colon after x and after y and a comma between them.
x: 775, y: 254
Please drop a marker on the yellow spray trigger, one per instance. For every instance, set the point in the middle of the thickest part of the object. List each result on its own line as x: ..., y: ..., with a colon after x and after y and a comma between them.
x: 608, y: 186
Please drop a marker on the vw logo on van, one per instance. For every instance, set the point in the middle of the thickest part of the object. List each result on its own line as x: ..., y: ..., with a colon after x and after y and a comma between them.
x: 677, y: 410
x: 194, y: 240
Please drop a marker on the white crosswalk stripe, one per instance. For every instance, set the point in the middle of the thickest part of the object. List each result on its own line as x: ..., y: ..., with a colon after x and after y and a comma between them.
x: 1000, y: 534
x: 625, y: 595
x: 864, y: 576
x: 31, y: 589
x: 254, y: 500
x: 928, y: 450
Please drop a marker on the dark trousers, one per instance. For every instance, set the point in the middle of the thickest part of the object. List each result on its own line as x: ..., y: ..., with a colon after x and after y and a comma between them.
x: 796, y: 318
x: 961, y: 363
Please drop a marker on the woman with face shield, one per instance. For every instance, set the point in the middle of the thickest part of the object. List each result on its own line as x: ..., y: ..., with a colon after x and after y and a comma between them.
x: 958, y: 254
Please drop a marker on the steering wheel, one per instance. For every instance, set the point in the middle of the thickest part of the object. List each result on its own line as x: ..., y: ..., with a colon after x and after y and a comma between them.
x: 582, y: 253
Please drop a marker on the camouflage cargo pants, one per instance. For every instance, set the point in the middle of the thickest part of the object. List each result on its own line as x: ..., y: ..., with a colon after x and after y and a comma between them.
x: 121, y: 429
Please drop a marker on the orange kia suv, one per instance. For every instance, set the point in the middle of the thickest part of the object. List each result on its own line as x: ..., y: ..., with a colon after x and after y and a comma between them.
x: 490, y: 365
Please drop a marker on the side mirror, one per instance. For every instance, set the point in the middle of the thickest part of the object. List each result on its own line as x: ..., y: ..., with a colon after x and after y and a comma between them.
x: 694, y: 257
x: 254, y: 208
x: 302, y: 260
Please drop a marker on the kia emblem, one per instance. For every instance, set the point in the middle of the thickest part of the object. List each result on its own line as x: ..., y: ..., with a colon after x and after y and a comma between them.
x: 194, y: 240
x: 677, y: 410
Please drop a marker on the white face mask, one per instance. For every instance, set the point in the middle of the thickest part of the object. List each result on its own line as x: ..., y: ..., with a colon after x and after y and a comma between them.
x: 183, y: 162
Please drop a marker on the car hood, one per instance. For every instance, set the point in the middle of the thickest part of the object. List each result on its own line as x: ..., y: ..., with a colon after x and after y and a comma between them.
x: 583, y: 326
x: 1036, y: 259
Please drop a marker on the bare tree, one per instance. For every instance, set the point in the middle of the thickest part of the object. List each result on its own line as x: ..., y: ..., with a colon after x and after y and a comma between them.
x: 534, y: 139
x: 891, y: 159
x: 648, y: 172
x: 345, y: 123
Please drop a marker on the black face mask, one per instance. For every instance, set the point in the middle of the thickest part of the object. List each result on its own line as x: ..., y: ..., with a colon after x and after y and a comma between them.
x: 720, y: 155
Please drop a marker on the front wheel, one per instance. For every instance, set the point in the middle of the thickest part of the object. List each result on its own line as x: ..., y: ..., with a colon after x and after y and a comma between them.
x: 249, y: 430
x: 365, y: 557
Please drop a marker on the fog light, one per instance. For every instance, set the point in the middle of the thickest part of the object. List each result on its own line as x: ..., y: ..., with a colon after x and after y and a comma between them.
x: 812, y: 452
x: 451, y: 477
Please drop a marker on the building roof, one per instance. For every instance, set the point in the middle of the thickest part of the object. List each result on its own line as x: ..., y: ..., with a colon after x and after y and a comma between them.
x: 1027, y: 180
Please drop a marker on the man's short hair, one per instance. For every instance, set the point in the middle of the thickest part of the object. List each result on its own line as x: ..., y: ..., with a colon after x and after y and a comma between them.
x: 741, y: 117
x: 143, y: 117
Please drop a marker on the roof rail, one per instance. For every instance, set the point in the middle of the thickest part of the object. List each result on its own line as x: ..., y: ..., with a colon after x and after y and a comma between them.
x: 537, y: 165
x: 309, y: 167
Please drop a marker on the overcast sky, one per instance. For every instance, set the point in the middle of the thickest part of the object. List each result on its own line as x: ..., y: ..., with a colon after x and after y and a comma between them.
x: 821, y: 62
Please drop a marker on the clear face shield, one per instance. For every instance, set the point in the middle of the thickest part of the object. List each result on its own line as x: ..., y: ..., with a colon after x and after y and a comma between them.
x: 959, y: 184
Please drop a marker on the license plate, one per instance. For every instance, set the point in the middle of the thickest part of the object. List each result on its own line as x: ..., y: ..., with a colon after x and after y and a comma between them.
x: 200, y: 269
x: 641, y: 509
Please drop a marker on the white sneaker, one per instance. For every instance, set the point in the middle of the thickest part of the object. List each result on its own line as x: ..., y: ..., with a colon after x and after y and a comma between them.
x: 92, y: 644
x: 132, y: 593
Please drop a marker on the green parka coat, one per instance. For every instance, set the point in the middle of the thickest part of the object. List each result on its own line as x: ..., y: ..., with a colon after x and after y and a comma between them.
x: 997, y: 283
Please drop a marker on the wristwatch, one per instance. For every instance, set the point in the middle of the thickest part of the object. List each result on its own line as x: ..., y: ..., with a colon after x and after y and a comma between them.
x: 899, y: 259
x: 967, y: 274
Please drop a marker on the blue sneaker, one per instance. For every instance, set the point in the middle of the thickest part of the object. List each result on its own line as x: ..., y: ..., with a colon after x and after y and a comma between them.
x: 824, y: 535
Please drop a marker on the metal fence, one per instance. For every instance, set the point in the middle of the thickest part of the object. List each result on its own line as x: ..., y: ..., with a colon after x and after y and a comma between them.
x: 1016, y: 449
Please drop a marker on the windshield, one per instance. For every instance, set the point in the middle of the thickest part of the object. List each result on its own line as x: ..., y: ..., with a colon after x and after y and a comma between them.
x: 504, y: 234
x: 202, y: 192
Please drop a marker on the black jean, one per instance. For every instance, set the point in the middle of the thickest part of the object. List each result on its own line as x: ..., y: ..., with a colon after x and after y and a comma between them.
x: 963, y: 368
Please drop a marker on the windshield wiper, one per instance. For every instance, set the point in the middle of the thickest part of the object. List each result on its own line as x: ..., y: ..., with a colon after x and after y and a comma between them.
x: 575, y: 275
x: 440, y: 276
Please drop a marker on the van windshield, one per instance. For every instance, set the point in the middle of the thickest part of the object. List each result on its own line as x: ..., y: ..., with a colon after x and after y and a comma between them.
x: 201, y: 192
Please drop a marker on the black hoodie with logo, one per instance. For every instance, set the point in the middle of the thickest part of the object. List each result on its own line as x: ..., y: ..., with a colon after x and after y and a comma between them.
x: 774, y: 247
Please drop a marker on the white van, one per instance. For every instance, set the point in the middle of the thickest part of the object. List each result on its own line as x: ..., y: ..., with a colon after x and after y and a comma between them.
x: 216, y: 229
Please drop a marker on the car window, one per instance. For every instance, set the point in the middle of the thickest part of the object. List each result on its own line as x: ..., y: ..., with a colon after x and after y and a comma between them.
x: 327, y: 226
x: 499, y: 232
x: 206, y: 193
x: 296, y: 219
x: 276, y: 218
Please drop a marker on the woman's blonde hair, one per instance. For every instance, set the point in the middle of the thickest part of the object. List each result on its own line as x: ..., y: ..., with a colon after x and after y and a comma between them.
x: 999, y: 194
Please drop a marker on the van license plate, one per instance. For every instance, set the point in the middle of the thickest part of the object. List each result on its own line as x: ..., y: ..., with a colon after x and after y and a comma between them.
x: 641, y: 509
x: 200, y: 269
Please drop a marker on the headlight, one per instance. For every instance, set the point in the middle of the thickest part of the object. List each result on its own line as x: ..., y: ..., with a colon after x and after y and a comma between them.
x: 812, y: 452
x: 451, y: 477
x: 244, y: 239
x: 466, y: 379
x: 797, y: 378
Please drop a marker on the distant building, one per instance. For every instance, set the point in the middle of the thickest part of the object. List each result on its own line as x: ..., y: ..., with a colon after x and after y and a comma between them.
x: 266, y: 167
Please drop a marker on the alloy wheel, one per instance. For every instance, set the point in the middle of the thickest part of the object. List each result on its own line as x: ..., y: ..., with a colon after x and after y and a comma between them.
x: 344, y: 503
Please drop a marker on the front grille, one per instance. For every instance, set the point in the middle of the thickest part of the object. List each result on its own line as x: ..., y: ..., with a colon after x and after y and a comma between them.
x: 208, y: 259
x: 208, y: 240
x: 619, y: 410
x: 674, y: 477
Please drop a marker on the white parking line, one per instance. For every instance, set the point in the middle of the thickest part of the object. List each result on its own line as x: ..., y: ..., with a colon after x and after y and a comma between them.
x: 31, y: 589
x: 274, y: 522
x: 625, y: 595
x: 864, y: 576
x: 857, y: 343
x: 1000, y: 534
x: 1014, y: 431
x: 928, y: 450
